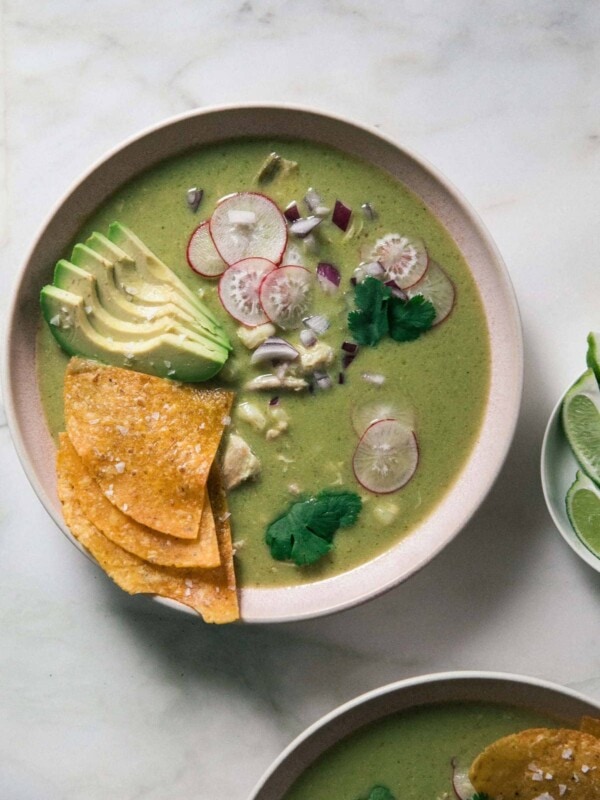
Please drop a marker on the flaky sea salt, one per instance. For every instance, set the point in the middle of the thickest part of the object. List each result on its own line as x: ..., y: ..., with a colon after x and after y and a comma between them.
x: 120, y: 467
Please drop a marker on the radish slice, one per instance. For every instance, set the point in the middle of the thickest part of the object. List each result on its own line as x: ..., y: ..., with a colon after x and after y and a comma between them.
x: 248, y: 225
x: 239, y: 290
x: 202, y: 255
x: 285, y: 295
x: 436, y: 287
x: 404, y: 259
x: 363, y: 416
x: 461, y: 785
x: 386, y: 457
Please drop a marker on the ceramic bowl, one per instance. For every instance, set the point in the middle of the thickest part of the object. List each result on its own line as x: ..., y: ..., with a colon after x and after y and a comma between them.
x: 26, y: 419
x: 558, y: 470
x: 452, y: 687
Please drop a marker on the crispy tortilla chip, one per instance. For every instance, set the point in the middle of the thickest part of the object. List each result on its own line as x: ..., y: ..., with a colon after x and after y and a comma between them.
x: 210, y: 592
x: 590, y: 725
x: 148, y: 442
x: 525, y: 765
x: 158, y: 548
x: 218, y: 501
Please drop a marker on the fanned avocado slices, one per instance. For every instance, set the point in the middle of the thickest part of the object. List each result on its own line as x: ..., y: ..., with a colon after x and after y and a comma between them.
x: 129, y: 309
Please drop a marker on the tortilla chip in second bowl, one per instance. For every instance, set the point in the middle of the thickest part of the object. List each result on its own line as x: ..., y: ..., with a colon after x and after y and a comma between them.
x: 524, y: 766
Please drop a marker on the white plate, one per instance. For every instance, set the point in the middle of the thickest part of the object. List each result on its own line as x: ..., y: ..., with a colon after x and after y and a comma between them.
x: 558, y: 470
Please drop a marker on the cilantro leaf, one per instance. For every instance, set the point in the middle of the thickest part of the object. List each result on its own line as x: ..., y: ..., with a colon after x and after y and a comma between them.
x: 380, y: 793
x: 370, y: 322
x: 409, y: 319
x: 304, y: 533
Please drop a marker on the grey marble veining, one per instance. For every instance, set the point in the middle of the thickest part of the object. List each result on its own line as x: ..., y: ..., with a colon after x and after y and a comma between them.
x: 103, y: 695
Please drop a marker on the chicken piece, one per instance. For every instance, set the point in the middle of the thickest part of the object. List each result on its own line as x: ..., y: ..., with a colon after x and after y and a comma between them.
x: 317, y: 357
x: 264, y: 383
x: 252, y: 337
x: 239, y: 462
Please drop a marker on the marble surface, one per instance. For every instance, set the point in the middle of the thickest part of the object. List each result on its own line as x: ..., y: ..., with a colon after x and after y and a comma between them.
x: 103, y: 695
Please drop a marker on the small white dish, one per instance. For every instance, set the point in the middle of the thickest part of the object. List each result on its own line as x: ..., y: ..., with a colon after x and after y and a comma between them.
x: 558, y: 471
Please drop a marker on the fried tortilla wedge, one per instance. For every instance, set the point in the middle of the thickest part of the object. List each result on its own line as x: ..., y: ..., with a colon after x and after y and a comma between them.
x: 590, y: 725
x: 147, y: 441
x: 541, y: 762
x: 157, y: 548
x: 210, y: 592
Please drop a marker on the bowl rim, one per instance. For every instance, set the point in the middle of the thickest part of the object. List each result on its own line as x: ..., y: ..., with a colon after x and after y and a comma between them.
x: 405, y: 685
x: 295, y: 608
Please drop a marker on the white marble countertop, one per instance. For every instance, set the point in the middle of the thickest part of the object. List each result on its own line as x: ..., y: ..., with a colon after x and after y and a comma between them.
x: 103, y: 695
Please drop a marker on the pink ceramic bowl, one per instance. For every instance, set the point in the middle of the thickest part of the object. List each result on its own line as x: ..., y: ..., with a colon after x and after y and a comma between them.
x: 30, y: 434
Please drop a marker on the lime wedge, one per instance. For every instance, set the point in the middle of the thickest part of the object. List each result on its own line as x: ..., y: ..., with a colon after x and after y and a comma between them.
x: 581, y: 423
x: 583, y: 509
x: 593, y: 354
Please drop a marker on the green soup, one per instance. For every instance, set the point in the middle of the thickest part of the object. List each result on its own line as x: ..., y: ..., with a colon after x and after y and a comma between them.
x: 443, y: 376
x: 411, y: 753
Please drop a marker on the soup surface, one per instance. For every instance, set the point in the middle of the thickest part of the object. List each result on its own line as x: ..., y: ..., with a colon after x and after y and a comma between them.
x: 442, y: 377
x: 410, y: 753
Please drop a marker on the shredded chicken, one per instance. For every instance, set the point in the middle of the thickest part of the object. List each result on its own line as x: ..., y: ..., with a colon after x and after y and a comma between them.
x: 239, y: 462
x: 264, y: 383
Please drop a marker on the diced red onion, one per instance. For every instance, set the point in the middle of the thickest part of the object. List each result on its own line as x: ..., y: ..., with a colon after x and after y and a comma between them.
x: 328, y: 276
x: 350, y: 347
x: 341, y: 215
x: 274, y: 401
x: 341, y: 378
x: 323, y: 380
x: 292, y: 212
x: 369, y: 211
x: 274, y: 349
x: 303, y: 226
x: 396, y: 290
x: 194, y: 198
x: 317, y: 323
x: 353, y: 281
x: 308, y: 337
x: 347, y: 359
x: 373, y: 377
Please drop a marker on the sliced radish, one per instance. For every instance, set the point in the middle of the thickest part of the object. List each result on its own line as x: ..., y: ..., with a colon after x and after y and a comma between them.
x: 364, y: 415
x: 436, y: 287
x: 404, y: 259
x: 239, y: 290
x: 386, y: 457
x: 202, y: 255
x: 285, y: 295
x: 248, y: 225
x: 461, y: 785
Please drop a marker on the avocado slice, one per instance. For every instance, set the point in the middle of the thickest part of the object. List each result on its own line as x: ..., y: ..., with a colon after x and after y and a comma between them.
x: 80, y: 282
x: 150, y: 266
x: 166, y: 355
x: 98, y: 288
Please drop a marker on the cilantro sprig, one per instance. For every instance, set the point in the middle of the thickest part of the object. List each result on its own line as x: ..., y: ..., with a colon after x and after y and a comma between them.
x: 304, y: 533
x: 380, y: 793
x: 379, y: 312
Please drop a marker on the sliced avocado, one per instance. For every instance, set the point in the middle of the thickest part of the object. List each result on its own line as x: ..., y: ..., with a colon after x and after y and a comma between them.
x: 151, y: 266
x: 105, y: 292
x: 145, y: 288
x: 166, y: 355
x: 78, y: 281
